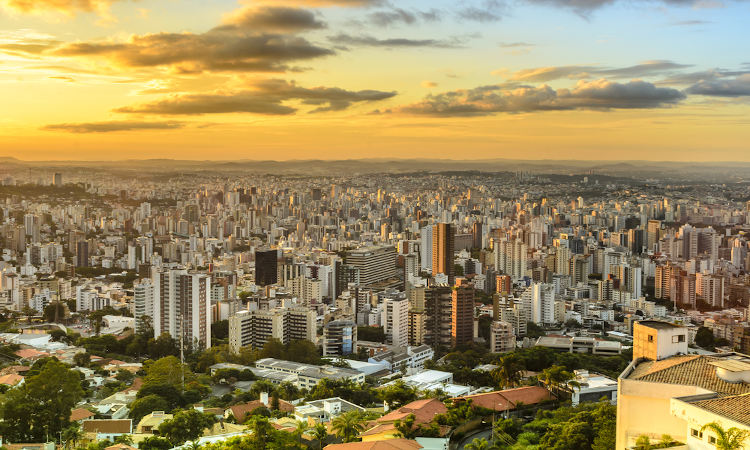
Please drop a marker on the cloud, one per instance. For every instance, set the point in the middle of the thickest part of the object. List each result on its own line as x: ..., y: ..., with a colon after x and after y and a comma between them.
x: 29, y: 46
x: 112, y: 126
x: 515, y: 44
x: 61, y: 78
x: 488, y: 11
x: 710, y: 75
x: 282, y: 19
x: 733, y: 87
x: 429, y: 84
x: 690, y: 23
x: 326, y: 3
x: 586, y: 7
x: 261, y: 40
x: 266, y: 97
x: 64, y: 6
x: 392, y: 17
x: 645, y: 69
x: 596, y: 95
x: 371, y: 41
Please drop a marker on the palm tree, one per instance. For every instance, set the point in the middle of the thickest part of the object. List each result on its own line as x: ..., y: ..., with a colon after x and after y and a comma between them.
x: 557, y: 378
x: 300, y: 429
x: 508, y: 374
x: 348, y: 425
x: 731, y: 439
x: 478, y: 444
x: 72, y: 435
x: 320, y: 433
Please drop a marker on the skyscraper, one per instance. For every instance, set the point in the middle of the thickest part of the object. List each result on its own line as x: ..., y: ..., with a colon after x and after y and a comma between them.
x: 182, y: 306
x: 443, y: 245
x: 266, y: 267
x: 462, y: 315
x: 82, y: 253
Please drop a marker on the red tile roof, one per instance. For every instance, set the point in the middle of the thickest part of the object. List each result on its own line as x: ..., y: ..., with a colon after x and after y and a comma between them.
x: 108, y: 426
x: 390, y: 444
x: 508, y: 399
x: 240, y: 411
x: 424, y: 411
x: 80, y: 414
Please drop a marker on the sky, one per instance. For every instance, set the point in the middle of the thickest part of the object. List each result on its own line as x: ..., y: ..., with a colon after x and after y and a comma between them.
x: 341, y: 79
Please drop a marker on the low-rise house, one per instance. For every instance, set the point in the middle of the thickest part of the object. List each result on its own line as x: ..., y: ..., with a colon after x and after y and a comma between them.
x: 106, y: 429
x: 241, y: 411
x: 592, y: 387
x: 307, y: 376
x: 384, y: 427
x: 508, y: 399
x: 391, y: 444
x: 11, y: 379
x: 324, y: 410
x: 80, y: 414
x: 432, y: 380
x: 151, y: 422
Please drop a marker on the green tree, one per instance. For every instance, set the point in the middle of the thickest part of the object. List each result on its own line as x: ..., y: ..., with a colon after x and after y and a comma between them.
x: 154, y: 443
x: 704, y: 338
x: 643, y: 443
x: 167, y: 370
x: 478, y: 444
x: 54, y: 312
x: 125, y: 376
x: 348, y: 425
x: 41, y: 406
x: 508, y: 372
x: 186, y: 426
x: 145, y: 405
x: 320, y: 434
x: 727, y: 439
x: 82, y: 359
x: 558, y: 379
x: 398, y: 394
x: 72, y: 435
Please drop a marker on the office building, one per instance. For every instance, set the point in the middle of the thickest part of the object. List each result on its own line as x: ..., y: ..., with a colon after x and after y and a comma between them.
x: 339, y: 337
x: 266, y: 267
x: 443, y: 247
x: 374, y: 264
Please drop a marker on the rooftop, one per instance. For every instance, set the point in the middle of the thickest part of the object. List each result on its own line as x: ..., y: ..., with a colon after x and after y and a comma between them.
x: 689, y: 370
x: 734, y: 407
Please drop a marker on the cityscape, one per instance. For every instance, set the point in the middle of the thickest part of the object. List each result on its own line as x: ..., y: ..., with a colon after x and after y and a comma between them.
x: 374, y: 225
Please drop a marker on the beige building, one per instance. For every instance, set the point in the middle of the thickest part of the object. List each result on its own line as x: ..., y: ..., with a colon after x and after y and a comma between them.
x: 502, y: 337
x: 662, y: 375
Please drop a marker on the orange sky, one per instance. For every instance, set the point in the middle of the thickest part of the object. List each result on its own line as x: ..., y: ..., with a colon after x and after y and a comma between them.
x: 295, y: 79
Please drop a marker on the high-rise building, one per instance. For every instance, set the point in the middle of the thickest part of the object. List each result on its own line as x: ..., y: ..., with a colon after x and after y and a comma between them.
x: 653, y: 234
x: 443, y: 247
x: 375, y: 264
x: 82, y: 253
x: 182, y: 306
x: 57, y: 179
x: 395, y: 320
x: 143, y: 300
x: 438, y: 301
x: 266, y: 267
x: 502, y: 337
x: 476, y: 234
x: 510, y: 257
x: 425, y: 249
x: 462, y: 315
x: 339, y: 337
x: 255, y: 328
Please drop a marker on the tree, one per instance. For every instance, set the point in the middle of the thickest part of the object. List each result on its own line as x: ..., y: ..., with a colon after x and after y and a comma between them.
x: 163, y: 346
x: 154, y: 443
x: 167, y: 370
x: 72, y: 435
x: 508, y: 372
x: 300, y: 428
x: 82, y: 359
x: 731, y: 439
x: 405, y: 427
x: 145, y: 405
x: 478, y: 444
x: 348, y: 425
x: 557, y: 378
x: 704, y: 338
x: 125, y: 376
x: 186, y: 426
x: 54, y: 312
x: 643, y: 443
x: 41, y: 406
x: 398, y: 394
x: 320, y: 434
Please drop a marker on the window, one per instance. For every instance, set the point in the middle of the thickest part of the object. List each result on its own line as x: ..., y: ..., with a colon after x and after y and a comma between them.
x: 712, y: 440
x: 696, y: 433
x: 678, y: 338
x: 651, y: 338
